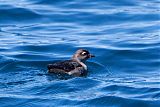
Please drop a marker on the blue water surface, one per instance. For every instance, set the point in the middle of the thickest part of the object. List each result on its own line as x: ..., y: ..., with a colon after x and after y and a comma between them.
x: 123, y: 34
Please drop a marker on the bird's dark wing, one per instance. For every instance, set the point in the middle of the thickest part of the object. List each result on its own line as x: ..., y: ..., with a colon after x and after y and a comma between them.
x: 66, y: 66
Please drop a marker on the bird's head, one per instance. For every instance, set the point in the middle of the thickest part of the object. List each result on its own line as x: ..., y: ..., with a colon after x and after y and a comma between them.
x: 82, y: 55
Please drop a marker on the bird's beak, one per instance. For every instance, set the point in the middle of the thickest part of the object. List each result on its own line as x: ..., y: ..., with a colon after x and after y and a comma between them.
x: 90, y: 55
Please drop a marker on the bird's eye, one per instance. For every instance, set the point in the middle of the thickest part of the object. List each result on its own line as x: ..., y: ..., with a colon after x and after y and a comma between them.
x: 83, y: 53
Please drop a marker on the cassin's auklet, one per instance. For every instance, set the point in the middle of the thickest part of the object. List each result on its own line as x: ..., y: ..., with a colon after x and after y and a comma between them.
x: 75, y: 66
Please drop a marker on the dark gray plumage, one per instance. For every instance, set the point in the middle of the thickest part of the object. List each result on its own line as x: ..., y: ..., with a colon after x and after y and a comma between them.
x: 67, y: 65
x: 75, y: 66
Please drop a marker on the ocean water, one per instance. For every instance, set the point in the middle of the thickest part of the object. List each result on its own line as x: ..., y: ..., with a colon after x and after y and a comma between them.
x: 123, y: 34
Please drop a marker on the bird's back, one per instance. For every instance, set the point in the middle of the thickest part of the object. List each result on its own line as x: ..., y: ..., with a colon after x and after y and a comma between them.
x: 63, y: 66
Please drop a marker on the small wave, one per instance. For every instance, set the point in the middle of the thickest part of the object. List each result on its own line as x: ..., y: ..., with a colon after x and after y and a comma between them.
x: 13, y: 15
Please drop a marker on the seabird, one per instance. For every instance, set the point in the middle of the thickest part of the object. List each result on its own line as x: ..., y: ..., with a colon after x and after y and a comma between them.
x: 75, y: 66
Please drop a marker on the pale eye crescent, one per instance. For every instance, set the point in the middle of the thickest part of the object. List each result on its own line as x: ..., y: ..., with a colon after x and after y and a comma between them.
x: 83, y: 53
